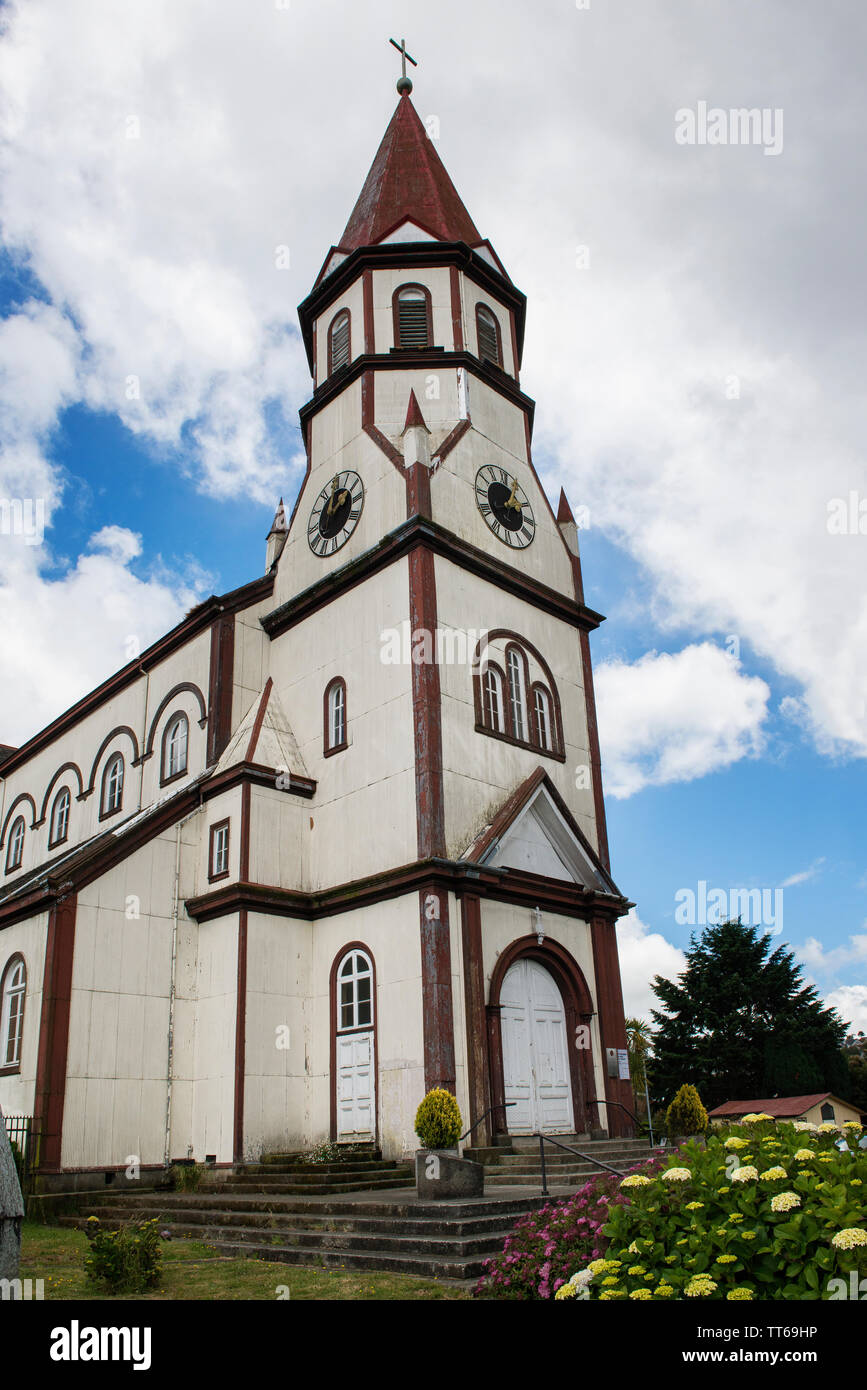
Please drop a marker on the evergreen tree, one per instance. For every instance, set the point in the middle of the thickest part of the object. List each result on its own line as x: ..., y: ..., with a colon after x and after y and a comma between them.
x: 740, y: 1023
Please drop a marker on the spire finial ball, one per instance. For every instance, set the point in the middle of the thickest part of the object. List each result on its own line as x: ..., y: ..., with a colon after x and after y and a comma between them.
x: 404, y: 86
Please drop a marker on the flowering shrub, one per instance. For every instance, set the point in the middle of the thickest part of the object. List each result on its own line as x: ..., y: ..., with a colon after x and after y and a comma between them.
x: 127, y: 1260
x: 778, y: 1222
x: 542, y: 1249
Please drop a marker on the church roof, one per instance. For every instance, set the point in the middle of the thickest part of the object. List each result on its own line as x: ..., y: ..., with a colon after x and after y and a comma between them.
x: 264, y: 736
x: 407, y: 182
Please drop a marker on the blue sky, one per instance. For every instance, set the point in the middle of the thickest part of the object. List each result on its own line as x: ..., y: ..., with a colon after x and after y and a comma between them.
x: 154, y: 164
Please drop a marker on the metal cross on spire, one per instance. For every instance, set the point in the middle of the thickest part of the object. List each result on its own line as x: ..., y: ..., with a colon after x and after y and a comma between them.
x: 404, y: 83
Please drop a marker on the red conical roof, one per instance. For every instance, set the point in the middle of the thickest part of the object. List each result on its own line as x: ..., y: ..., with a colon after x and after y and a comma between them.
x: 407, y: 179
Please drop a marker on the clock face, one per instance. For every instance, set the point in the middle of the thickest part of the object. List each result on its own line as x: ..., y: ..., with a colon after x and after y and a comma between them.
x: 505, y: 506
x: 335, y: 513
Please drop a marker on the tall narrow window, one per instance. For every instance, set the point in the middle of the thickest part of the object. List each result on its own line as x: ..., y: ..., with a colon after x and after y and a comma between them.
x: 15, y: 852
x: 355, y: 998
x: 175, y: 741
x: 12, y: 993
x: 219, y: 857
x: 112, y: 786
x: 335, y: 716
x: 59, y: 818
x: 413, y: 327
x: 338, y: 341
x: 517, y: 696
x: 542, y: 716
x: 488, y: 335
x: 493, y: 688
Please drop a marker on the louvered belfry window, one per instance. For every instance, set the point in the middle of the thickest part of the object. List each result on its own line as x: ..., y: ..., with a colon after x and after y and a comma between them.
x: 412, y: 318
x: 338, y: 342
x: 488, y: 333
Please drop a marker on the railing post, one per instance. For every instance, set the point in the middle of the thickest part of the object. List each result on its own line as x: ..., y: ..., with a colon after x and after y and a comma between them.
x: 542, y: 1160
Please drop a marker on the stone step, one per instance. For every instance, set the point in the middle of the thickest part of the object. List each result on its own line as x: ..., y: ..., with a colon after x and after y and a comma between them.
x: 443, y: 1267
x: 300, y: 1189
x: 198, y: 1223
x: 318, y: 1175
x: 371, y: 1165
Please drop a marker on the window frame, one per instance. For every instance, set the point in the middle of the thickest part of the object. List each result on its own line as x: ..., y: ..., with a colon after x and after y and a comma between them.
x: 483, y: 308
x: 341, y: 313
x: 355, y: 1026
x: 536, y: 689
x: 53, y: 838
x: 15, y: 846
x: 116, y: 759
x: 215, y: 830
x: 165, y: 775
x: 13, y: 964
x: 527, y: 653
x: 395, y: 313
x: 329, y: 747
x: 523, y: 668
x: 496, y: 670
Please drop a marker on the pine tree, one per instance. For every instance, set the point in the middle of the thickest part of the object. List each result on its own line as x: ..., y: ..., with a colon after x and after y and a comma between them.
x: 740, y: 1023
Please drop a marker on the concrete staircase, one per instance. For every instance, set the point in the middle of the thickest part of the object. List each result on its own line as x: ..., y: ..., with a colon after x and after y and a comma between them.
x: 519, y: 1165
x: 289, y: 1175
x: 444, y: 1240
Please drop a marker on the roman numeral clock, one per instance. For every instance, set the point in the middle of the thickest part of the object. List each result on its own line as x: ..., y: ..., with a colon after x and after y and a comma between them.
x: 335, y: 513
x: 505, y: 506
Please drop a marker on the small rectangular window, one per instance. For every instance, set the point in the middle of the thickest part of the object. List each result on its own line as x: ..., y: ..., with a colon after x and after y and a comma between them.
x: 219, y: 867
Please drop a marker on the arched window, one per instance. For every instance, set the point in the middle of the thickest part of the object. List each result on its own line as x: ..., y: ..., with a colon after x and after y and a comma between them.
x: 175, y: 739
x: 542, y: 717
x: 335, y: 716
x: 339, y: 341
x: 488, y: 335
x: 15, y: 852
x: 112, y: 786
x: 59, y: 826
x: 354, y: 992
x: 517, y: 693
x: 492, y: 684
x: 12, y: 991
x: 827, y: 1112
x: 413, y: 317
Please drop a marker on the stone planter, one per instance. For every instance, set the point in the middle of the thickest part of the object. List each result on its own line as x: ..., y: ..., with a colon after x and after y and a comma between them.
x: 440, y: 1174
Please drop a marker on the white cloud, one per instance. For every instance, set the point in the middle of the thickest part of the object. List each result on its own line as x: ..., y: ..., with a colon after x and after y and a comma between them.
x: 643, y: 954
x: 674, y: 717
x: 828, y: 963
x: 805, y: 875
x: 850, y: 1001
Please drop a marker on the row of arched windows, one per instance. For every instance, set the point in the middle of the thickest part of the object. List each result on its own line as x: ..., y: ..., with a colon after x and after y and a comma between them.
x: 173, y: 764
x: 517, y: 702
x: 412, y: 313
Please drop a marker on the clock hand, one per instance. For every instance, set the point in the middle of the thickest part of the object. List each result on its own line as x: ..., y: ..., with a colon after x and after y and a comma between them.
x: 513, y: 501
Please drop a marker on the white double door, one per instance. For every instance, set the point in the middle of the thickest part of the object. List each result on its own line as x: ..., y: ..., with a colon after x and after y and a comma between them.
x: 535, y: 1052
x: 356, y: 1102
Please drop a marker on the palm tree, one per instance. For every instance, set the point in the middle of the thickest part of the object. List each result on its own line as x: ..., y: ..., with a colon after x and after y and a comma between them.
x: 639, y: 1041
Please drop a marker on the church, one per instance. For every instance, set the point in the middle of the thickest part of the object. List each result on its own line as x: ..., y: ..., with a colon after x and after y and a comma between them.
x: 339, y: 836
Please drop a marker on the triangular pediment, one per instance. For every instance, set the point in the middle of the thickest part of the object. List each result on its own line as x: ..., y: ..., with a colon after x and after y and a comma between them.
x: 407, y: 231
x: 264, y: 736
x: 534, y: 832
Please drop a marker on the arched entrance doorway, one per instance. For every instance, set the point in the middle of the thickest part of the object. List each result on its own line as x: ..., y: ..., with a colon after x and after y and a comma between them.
x: 535, y: 1051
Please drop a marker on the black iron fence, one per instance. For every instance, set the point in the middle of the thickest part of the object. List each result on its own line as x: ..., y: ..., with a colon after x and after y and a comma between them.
x: 23, y: 1131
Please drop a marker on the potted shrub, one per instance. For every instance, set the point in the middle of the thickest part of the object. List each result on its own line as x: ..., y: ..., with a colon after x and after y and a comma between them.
x: 686, y: 1115
x: 439, y: 1172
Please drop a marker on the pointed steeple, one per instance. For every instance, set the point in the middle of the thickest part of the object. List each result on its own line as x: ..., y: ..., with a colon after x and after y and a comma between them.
x: 276, y: 536
x: 416, y: 435
x: 407, y: 182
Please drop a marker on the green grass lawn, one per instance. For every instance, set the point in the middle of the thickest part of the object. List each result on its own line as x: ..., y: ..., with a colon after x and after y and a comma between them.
x: 193, y: 1270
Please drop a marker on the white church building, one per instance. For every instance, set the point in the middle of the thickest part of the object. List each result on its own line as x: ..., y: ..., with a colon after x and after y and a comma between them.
x: 339, y: 836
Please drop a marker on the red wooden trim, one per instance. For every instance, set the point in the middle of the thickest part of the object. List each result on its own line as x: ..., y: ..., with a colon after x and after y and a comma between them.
x: 498, y: 1120
x: 258, y: 721
x: 612, y: 1023
x: 164, y: 703
x: 373, y: 431
x: 240, y: 1038
x: 164, y: 780
x: 22, y: 796
x: 427, y: 710
x: 64, y: 767
x: 218, y: 825
x: 450, y: 441
x: 341, y: 313
x: 516, y: 359
x: 474, y: 1009
x: 50, y: 1092
x: 329, y: 748
x: 578, y: 1006
x: 367, y: 299
x: 395, y: 314
x: 244, y: 867
x: 222, y: 667
x: 436, y: 991
x: 457, y: 309
x: 498, y: 332
x: 595, y: 755
x: 374, y: 1027
x: 106, y: 742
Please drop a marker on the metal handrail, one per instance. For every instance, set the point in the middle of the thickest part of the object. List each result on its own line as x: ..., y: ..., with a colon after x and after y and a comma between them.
x: 485, y: 1116
x: 597, y: 1100
x: 546, y: 1139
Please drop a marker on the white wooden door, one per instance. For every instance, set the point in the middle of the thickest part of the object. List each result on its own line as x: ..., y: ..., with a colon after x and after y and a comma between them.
x: 535, y: 1055
x: 356, y: 1107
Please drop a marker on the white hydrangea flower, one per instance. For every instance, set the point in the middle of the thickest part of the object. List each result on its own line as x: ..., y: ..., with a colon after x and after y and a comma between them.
x: 676, y: 1175
x: 745, y: 1174
x: 785, y: 1201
